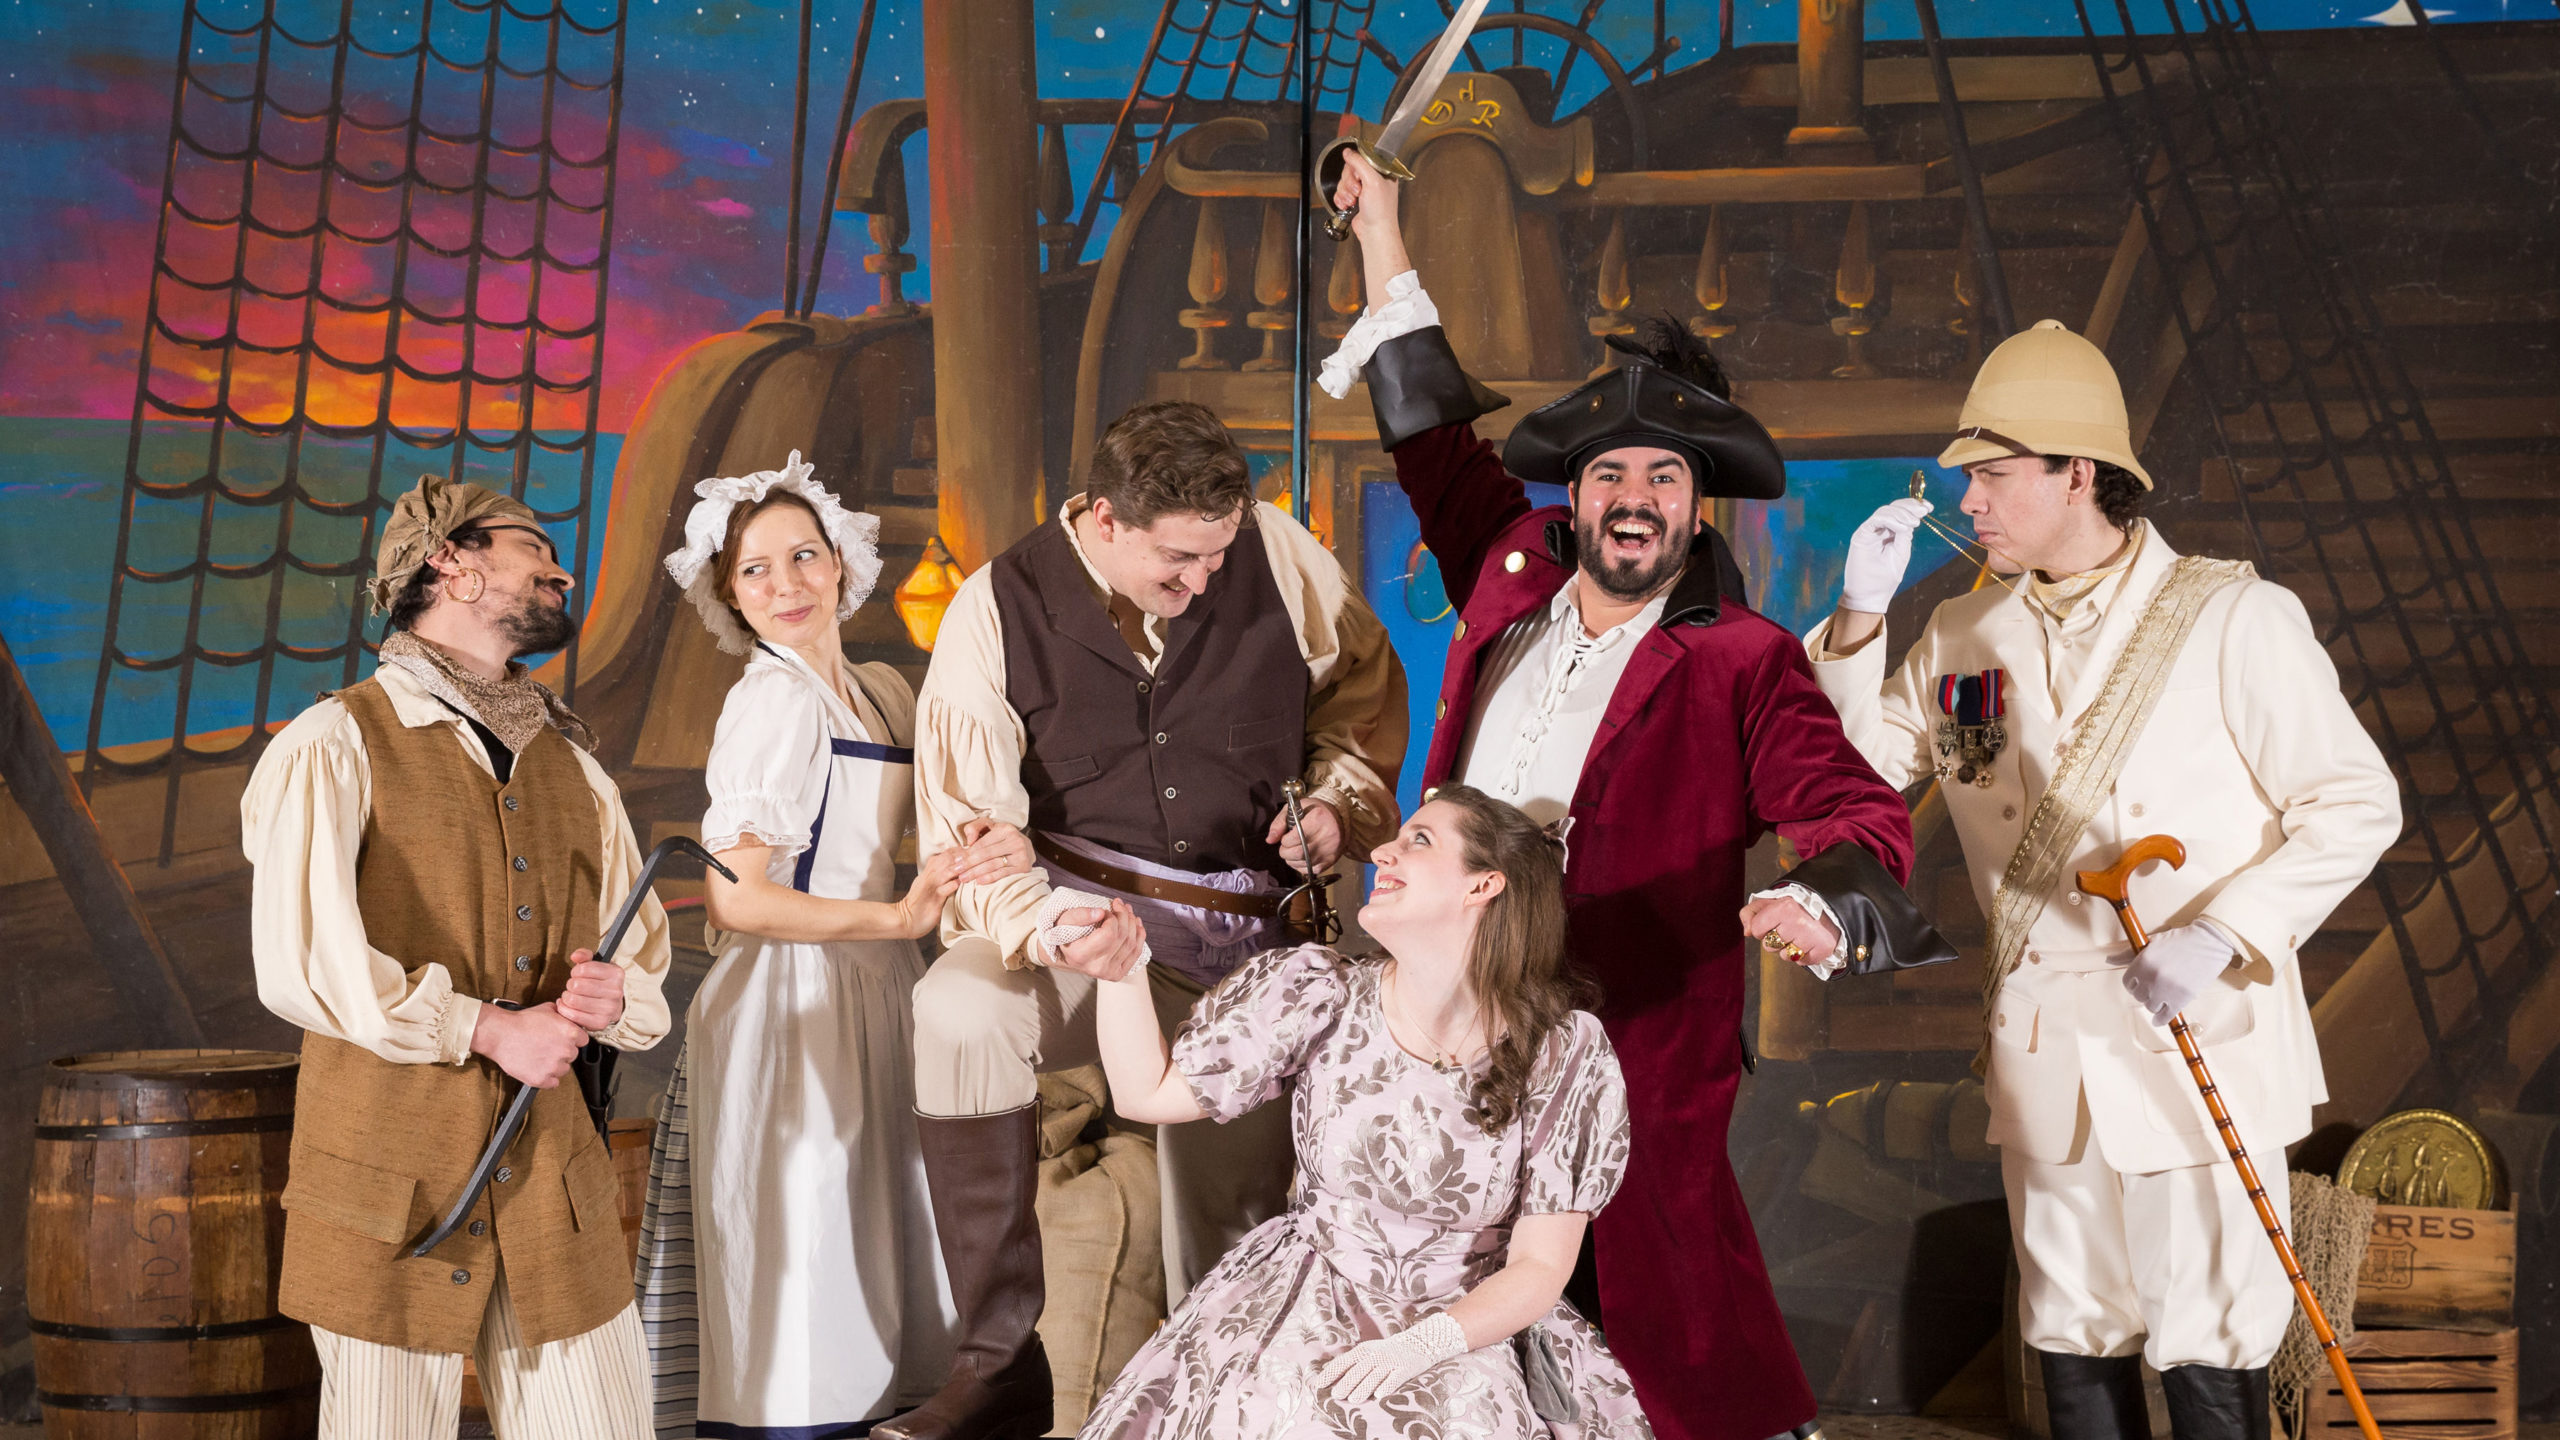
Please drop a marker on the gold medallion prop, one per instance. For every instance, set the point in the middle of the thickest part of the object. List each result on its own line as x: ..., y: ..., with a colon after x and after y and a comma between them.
x: 2426, y: 1158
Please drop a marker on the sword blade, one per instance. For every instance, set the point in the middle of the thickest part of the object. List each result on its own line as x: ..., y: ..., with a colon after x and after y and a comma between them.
x: 1426, y: 83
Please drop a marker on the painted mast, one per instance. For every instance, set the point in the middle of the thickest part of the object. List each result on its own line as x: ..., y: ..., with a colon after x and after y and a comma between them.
x: 981, y: 94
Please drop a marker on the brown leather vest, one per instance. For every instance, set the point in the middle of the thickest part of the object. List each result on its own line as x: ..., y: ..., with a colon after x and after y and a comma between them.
x: 1182, y: 767
x: 498, y: 884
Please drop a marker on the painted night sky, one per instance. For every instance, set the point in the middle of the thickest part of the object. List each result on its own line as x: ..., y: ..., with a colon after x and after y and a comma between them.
x: 703, y: 196
x: 699, y: 220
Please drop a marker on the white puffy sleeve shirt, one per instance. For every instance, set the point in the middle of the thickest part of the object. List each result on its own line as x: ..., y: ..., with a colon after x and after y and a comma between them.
x: 302, y: 822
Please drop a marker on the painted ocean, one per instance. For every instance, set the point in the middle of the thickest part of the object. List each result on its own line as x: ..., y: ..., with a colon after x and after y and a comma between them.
x: 61, y: 482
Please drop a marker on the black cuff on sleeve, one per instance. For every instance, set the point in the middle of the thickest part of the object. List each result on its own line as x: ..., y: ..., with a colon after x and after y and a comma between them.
x: 1415, y: 384
x: 1880, y: 927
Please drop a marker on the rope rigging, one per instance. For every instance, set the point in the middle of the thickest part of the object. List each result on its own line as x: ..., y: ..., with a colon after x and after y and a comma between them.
x: 376, y: 255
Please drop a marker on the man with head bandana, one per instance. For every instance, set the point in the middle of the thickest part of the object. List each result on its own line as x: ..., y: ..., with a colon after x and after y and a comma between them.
x: 1605, y: 673
x: 436, y: 856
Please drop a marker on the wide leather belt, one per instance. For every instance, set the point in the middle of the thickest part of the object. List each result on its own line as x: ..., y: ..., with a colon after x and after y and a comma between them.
x: 1154, y: 887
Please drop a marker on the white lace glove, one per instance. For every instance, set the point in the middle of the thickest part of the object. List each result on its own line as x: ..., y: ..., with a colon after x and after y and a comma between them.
x: 1055, y: 936
x: 1878, y: 554
x: 2177, y: 965
x: 1382, y: 1366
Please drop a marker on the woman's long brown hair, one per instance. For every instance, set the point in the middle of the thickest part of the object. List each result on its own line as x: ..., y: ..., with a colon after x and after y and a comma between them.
x: 1516, y: 964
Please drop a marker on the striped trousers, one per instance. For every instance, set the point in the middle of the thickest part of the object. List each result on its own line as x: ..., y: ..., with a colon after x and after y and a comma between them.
x: 593, y: 1386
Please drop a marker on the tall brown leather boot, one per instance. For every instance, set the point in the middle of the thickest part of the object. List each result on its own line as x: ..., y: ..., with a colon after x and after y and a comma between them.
x: 984, y: 1174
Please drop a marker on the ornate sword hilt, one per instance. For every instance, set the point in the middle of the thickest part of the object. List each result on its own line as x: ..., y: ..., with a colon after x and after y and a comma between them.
x: 1320, y: 916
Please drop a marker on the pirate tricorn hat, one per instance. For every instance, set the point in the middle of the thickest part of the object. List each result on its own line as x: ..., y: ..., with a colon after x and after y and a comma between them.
x: 1672, y: 395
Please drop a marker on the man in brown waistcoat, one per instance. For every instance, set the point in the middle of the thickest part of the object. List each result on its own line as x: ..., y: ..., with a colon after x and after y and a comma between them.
x: 432, y: 846
x: 1132, y: 683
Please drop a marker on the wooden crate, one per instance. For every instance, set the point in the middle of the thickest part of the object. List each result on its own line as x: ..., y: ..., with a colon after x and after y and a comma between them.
x: 2443, y: 1269
x: 2423, y: 1385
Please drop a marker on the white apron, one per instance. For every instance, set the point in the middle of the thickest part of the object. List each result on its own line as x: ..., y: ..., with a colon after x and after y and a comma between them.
x: 786, y: 1160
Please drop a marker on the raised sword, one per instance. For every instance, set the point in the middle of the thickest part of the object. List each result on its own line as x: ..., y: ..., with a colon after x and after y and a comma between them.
x: 1387, y: 151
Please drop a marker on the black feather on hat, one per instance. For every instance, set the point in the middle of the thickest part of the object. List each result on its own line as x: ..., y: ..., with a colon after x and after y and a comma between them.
x: 1673, y: 395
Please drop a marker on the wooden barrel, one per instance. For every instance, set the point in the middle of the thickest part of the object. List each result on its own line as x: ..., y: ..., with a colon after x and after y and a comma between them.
x: 154, y: 1240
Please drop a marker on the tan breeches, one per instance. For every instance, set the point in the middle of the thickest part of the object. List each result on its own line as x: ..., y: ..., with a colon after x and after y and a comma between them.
x: 593, y: 1386
x: 983, y: 1035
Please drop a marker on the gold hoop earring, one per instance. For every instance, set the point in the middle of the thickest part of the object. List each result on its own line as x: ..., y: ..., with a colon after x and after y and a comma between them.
x: 479, y: 587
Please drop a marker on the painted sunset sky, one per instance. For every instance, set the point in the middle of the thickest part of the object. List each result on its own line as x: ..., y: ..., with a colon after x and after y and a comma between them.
x: 701, y: 205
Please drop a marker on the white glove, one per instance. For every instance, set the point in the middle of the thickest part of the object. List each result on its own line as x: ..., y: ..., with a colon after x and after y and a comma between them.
x: 1055, y: 936
x: 1878, y: 554
x: 2177, y: 965
x: 1382, y: 1366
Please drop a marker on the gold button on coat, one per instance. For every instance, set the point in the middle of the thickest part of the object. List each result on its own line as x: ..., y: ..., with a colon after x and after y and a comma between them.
x: 1462, y: 631
x: 1514, y: 562
x: 1443, y: 712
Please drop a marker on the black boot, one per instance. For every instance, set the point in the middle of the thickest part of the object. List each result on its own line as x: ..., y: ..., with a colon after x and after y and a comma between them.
x: 2088, y: 1397
x: 2207, y: 1403
x: 984, y: 1173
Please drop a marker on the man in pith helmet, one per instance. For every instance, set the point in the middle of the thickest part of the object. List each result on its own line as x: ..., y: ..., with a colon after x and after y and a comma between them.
x: 2110, y: 690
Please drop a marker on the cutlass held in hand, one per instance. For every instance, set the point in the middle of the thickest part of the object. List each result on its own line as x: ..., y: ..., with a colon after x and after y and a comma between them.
x: 511, y: 1123
x: 1386, y: 152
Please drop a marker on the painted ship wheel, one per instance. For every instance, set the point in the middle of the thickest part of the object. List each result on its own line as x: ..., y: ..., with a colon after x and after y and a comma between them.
x: 1619, y: 84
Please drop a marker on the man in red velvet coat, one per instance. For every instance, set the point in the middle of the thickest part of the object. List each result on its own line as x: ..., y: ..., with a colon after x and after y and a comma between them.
x: 1606, y: 672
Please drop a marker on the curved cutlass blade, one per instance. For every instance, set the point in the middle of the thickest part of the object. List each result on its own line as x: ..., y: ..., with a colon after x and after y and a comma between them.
x: 1426, y: 81
x: 511, y: 1123
x: 1387, y: 151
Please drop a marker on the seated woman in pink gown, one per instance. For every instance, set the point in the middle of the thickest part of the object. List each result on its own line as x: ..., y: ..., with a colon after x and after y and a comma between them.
x: 1458, y: 1123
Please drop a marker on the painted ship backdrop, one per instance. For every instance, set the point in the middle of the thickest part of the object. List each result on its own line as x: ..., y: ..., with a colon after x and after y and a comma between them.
x: 467, y: 237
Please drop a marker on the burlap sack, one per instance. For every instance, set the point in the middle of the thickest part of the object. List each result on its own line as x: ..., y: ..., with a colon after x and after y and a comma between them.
x: 1100, y: 1238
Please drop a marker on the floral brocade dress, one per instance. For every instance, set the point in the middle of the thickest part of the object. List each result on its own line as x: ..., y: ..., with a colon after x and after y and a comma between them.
x: 1403, y: 1205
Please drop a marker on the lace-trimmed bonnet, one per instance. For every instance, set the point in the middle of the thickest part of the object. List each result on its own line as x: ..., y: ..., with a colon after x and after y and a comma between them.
x: 855, y: 535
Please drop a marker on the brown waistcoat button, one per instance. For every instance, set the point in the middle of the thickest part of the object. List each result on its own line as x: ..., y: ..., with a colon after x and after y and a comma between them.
x: 461, y: 1277
x: 479, y: 1227
x: 504, y: 1175
x: 519, y: 864
x: 524, y: 962
x: 511, y: 802
x: 524, y: 912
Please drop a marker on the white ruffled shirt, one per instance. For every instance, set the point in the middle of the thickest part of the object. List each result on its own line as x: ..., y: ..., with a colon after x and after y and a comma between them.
x: 1406, y: 309
x: 1543, y: 688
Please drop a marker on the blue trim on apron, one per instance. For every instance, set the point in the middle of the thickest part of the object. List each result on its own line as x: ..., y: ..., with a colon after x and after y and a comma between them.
x: 723, y: 1430
x: 865, y: 750
x: 859, y: 750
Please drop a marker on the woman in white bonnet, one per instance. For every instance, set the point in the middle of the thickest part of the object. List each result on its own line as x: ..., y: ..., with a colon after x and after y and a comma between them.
x: 790, y: 1277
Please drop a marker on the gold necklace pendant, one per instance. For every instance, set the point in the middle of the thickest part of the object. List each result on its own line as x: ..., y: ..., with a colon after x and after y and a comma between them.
x: 1441, y: 1059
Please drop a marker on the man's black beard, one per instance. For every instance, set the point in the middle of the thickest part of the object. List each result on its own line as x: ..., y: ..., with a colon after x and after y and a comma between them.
x: 1630, y: 581
x: 537, y: 626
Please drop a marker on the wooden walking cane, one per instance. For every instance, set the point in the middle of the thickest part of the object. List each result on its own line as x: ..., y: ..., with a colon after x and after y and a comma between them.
x: 2110, y: 885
